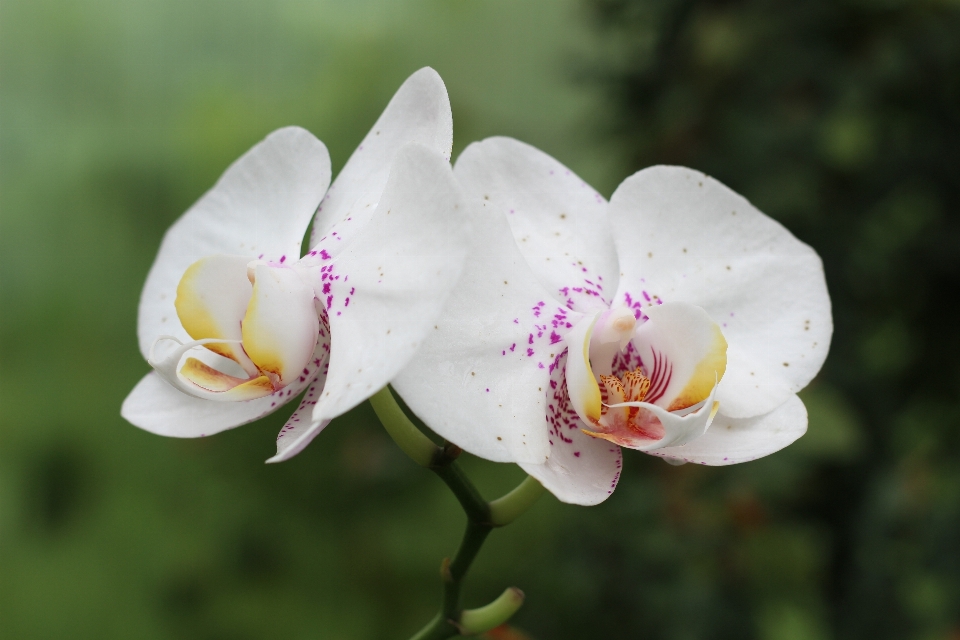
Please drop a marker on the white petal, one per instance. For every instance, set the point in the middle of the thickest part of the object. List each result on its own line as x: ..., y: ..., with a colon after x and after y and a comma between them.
x: 558, y: 220
x: 281, y: 326
x: 156, y: 406
x: 388, y: 288
x: 683, y: 236
x: 481, y: 376
x: 418, y: 112
x: 733, y: 440
x: 580, y: 469
x: 299, y: 431
x: 261, y: 206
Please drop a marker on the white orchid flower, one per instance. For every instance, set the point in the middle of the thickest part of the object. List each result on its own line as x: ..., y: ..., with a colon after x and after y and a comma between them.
x: 236, y: 324
x: 676, y: 319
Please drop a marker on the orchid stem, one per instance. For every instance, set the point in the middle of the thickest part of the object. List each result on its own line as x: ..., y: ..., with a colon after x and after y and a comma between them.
x: 482, y: 517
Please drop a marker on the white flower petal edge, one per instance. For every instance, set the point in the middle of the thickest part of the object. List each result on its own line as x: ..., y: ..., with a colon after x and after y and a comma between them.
x: 396, y: 278
x: 736, y: 440
x: 418, y: 112
x: 683, y: 236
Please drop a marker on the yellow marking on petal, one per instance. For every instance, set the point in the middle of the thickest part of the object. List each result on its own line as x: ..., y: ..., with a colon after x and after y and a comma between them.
x: 205, y: 376
x: 713, y: 411
x: 258, y: 340
x: 256, y: 388
x: 708, y: 373
x: 194, y: 309
x: 602, y: 436
x: 280, y: 327
x: 589, y: 392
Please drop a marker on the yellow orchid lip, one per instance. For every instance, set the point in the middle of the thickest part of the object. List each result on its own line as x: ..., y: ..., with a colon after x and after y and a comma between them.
x: 261, y: 315
x: 679, y: 356
x: 206, y: 377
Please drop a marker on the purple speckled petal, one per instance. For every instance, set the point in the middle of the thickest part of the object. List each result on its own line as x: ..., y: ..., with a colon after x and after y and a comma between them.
x: 682, y: 236
x: 389, y: 286
x: 260, y: 207
x: 734, y: 440
x: 419, y: 112
x: 300, y: 429
x: 580, y: 470
x: 481, y: 377
x: 558, y: 220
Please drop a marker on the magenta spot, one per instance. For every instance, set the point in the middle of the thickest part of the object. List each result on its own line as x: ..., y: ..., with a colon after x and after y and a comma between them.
x: 576, y: 453
x: 283, y: 259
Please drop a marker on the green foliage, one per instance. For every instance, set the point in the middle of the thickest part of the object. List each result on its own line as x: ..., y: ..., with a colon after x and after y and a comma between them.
x: 842, y: 120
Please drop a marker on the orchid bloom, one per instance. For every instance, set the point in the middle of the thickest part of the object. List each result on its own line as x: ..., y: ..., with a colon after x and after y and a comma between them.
x: 235, y: 324
x: 675, y: 319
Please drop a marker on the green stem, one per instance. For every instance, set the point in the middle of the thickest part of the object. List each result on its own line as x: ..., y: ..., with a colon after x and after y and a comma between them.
x: 410, y: 439
x: 493, y: 615
x: 505, y: 510
x: 482, y: 517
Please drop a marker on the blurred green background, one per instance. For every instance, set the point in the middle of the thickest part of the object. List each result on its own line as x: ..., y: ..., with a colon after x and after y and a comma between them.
x: 840, y: 118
